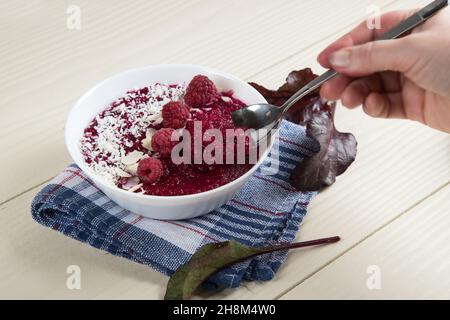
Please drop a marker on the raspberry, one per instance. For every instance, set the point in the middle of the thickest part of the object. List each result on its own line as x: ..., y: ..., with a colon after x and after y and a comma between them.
x: 175, y: 115
x: 150, y: 170
x: 201, y: 92
x: 162, y: 142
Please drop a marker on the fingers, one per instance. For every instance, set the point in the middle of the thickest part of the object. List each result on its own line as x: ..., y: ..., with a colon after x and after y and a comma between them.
x: 377, y: 64
x: 393, y: 55
x: 354, y: 92
x: 387, y: 106
x: 333, y: 89
x: 324, y: 56
x: 391, y: 81
x: 363, y: 34
x: 373, y: 92
x: 351, y: 92
x: 357, y: 91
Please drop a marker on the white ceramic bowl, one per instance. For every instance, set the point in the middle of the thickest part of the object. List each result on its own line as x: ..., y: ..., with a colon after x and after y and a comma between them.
x: 157, y: 207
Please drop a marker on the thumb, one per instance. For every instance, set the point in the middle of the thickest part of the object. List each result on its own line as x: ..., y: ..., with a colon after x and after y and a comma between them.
x: 375, y: 56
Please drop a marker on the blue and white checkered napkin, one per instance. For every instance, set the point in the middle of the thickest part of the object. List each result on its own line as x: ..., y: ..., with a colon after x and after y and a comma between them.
x: 266, y: 211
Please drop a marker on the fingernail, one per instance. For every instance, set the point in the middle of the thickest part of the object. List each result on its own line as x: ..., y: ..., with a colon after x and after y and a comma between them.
x: 340, y: 59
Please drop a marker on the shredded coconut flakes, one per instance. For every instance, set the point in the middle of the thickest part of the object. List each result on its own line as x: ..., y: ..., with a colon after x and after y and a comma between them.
x: 114, y: 132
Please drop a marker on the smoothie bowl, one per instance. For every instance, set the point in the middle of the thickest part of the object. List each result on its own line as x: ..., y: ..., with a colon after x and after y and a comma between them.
x: 142, y: 138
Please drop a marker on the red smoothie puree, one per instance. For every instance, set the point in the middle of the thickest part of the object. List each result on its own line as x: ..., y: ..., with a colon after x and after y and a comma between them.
x: 126, y: 121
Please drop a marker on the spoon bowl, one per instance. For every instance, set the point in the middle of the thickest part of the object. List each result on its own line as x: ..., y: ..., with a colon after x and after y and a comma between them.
x: 257, y: 116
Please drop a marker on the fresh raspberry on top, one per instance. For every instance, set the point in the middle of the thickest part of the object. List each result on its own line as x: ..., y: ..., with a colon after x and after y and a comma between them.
x: 162, y: 142
x: 175, y: 114
x: 150, y: 170
x: 201, y: 92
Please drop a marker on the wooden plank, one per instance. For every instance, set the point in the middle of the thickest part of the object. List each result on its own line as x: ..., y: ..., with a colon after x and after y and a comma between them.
x: 399, y: 163
x: 35, y: 260
x: 387, y: 180
x: 45, y: 67
x: 408, y: 259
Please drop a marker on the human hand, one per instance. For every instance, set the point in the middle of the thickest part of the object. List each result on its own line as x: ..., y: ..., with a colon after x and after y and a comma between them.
x: 406, y: 78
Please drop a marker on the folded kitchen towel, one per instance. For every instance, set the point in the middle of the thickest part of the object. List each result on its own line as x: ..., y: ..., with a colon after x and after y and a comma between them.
x: 267, y: 210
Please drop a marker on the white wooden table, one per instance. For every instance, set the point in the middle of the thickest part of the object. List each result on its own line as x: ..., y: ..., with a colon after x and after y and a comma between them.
x: 392, y: 208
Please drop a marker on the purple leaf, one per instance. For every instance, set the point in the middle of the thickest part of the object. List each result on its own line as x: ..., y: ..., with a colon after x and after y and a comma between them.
x: 214, y: 257
x: 337, y: 150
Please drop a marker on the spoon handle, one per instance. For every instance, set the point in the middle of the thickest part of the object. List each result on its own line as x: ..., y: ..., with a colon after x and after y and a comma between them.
x: 399, y: 30
x: 311, y: 86
x: 415, y: 20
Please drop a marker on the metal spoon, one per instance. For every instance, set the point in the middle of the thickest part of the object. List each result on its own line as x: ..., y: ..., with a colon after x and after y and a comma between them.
x: 268, y: 116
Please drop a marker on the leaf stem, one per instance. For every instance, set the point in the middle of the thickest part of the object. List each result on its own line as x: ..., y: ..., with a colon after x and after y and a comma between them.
x: 304, y: 244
